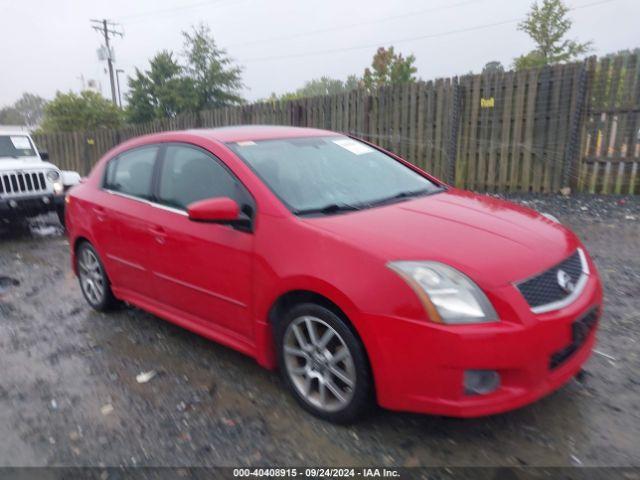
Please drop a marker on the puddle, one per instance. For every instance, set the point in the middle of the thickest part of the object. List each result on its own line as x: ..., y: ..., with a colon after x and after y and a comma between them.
x: 45, y: 230
x: 6, y: 283
x: 42, y: 226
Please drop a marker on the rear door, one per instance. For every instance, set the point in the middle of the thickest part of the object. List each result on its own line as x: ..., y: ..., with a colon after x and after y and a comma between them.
x: 202, y: 269
x: 123, y: 219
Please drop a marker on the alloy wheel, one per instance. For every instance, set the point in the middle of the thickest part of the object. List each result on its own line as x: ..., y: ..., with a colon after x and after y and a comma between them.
x: 319, y: 363
x: 91, y: 276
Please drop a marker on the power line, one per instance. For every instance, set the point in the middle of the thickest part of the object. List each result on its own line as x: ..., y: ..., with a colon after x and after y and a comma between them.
x: 108, y: 29
x: 409, y: 39
x: 352, y: 25
x: 171, y: 10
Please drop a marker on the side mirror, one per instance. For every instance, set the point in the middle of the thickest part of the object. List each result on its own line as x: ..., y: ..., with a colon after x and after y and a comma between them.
x: 44, y: 155
x: 214, y: 210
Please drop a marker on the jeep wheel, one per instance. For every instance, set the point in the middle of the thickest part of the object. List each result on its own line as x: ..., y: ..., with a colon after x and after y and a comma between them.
x: 60, y: 213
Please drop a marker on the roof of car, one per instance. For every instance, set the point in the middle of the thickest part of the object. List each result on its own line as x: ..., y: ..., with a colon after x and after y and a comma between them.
x: 242, y: 133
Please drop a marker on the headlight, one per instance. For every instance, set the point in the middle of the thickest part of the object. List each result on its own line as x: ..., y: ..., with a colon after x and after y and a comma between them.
x: 53, y: 175
x: 58, y: 188
x: 449, y: 296
x: 553, y: 218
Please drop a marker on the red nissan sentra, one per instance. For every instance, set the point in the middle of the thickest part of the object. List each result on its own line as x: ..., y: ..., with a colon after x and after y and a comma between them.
x: 358, y: 275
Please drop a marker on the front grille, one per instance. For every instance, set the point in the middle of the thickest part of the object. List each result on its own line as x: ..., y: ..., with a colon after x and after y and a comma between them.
x: 22, y: 182
x: 545, y: 289
x: 580, y: 330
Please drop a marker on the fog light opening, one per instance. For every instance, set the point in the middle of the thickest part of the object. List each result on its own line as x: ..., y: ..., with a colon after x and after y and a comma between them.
x: 481, y: 382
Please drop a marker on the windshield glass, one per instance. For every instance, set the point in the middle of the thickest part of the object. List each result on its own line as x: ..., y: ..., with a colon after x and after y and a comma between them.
x: 15, y: 146
x: 329, y: 174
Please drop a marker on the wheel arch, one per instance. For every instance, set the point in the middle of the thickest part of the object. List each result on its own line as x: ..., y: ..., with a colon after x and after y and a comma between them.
x: 77, y: 241
x: 334, y: 303
x: 295, y: 297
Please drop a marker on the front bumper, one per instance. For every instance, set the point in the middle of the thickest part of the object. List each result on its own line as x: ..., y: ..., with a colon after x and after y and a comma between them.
x: 422, y: 364
x: 30, y: 205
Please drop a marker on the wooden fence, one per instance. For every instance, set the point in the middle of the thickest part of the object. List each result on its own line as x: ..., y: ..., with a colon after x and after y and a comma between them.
x: 536, y: 130
x: 611, y: 148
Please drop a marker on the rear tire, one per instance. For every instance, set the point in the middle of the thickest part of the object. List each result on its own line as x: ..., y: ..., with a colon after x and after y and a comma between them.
x: 324, y: 364
x: 93, y: 279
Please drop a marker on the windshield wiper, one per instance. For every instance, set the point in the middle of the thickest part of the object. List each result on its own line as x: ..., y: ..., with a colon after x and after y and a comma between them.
x: 328, y: 209
x: 406, y: 194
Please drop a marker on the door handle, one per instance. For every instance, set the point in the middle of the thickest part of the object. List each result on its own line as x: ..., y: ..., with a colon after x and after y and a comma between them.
x: 100, y: 213
x: 159, y: 234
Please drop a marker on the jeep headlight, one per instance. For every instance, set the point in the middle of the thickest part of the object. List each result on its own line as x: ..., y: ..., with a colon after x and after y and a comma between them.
x: 448, y: 295
x: 53, y: 175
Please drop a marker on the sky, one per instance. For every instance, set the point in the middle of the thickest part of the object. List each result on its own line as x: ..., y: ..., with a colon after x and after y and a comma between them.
x: 49, y: 45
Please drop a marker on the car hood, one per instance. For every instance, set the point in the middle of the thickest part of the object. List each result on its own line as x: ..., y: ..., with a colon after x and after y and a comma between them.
x: 492, y: 241
x: 25, y: 163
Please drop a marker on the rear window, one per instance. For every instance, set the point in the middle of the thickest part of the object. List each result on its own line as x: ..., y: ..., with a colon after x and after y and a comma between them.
x: 16, y: 146
x: 131, y: 172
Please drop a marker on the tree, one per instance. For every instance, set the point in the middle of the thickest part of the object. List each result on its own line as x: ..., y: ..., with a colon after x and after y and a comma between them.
x: 27, y: 111
x: 11, y: 116
x: 31, y: 108
x: 388, y: 68
x: 493, y: 67
x: 548, y: 25
x: 88, y: 110
x: 216, y: 81
x: 319, y: 87
x: 206, y: 78
x: 162, y: 91
x: 327, y: 86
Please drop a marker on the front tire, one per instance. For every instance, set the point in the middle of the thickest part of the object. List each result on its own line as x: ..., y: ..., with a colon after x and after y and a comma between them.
x: 60, y: 213
x: 323, y: 364
x: 94, y: 282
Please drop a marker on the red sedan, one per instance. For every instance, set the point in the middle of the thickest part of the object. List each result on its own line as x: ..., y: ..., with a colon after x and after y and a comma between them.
x: 358, y: 275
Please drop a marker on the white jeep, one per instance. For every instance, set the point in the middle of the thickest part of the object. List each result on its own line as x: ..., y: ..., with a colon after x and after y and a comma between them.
x: 29, y: 185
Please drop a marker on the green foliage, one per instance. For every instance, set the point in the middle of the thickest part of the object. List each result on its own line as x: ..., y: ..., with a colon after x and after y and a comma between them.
x: 27, y: 110
x: 162, y: 91
x: 493, y: 67
x: 206, y: 79
x: 547, y: 24
x: 319, y: 87
x: 623, y: 53
x: 11, y: 116
x: 216, y: 81
x: 327, y: 86
x: 389, y: 68
x: 89, y: 110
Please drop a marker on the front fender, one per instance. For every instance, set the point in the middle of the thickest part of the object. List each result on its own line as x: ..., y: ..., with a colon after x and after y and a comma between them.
x: 265, y: 347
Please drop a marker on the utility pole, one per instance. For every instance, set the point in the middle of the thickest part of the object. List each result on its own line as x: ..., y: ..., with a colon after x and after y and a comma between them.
x: 118, y: 72
x: 107, y: 29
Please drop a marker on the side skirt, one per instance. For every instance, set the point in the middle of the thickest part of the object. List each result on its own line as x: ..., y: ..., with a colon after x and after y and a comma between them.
x: 189, y: 322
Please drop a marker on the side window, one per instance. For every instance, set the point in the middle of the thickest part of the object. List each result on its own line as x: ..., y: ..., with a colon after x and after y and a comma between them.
x: 190, y: 174
x: 131, y: 172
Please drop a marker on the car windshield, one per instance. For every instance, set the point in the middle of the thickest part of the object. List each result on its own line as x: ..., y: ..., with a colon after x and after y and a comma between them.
x: 326, y: 175
x: 15, y: 146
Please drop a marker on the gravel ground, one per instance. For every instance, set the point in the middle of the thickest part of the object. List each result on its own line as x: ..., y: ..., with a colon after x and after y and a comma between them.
x: 69, y: 395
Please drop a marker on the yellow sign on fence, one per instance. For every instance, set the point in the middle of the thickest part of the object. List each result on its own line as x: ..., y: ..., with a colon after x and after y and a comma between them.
x: 487, y: 102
